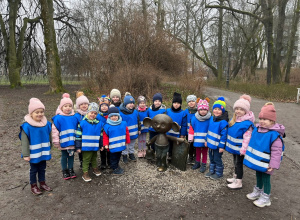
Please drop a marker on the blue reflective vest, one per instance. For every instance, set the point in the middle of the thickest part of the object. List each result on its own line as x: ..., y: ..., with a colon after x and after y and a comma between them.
x: 132, y: 123
x: 152, y: 114
x: 143, y: 115
x: 189, y: 117
x: 214, y: 138
x: 117, y: 136
x: 79, y: 116
x: 101, y: 118
x: 200, y: 131
x: 258, y: 153
x: 235, y: 136
x: 90, y: 135
x: 39, y: 141
x: 66, y: 125
x: 180, y: 118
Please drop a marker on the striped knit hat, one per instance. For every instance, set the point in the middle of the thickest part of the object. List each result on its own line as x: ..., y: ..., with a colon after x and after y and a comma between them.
x: 220, y: 103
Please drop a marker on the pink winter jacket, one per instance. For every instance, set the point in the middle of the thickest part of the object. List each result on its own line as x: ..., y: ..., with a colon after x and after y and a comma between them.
x: 276, y: 147
x: 247, y: 135
x: 55, y: 133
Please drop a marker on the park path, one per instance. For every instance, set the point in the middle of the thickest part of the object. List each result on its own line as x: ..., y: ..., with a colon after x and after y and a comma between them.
x: 287, y: 114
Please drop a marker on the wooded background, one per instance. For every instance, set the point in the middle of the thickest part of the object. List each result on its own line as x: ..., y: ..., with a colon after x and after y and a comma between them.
x: 129, y: 42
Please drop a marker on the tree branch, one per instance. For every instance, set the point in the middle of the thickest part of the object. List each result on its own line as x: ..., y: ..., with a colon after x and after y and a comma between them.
x: 3, y: 30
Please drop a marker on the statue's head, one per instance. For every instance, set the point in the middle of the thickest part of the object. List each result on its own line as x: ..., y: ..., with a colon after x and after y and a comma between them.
x: 161, y: 123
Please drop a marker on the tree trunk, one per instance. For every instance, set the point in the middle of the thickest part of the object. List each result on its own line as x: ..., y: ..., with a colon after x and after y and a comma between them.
x: 53, y: 60
x: 292, y: 42
x: 278, y: 44
x: 220, y: 43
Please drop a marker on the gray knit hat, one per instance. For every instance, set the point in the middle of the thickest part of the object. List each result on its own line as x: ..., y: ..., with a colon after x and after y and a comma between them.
x: 141, y: 99
x: 115, y: 92
x: 93, y: 107
x: 191, y: 98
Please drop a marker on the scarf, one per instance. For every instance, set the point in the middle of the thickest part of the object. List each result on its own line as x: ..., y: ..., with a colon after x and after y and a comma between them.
x: 81, y: 112
x: 111, y: 122
x: 34, y: 123
x: 142, y: 109
x: 224, y: 116
x: 176, y: 110
x: 125, y: 110
x: 203, y: 118
x: 192, y: 110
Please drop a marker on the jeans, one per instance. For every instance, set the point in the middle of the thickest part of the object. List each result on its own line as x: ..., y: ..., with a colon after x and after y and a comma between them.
x: 67, y: 161
x: 37, y: 168
x: 216, y: 163
x: 114, y: 160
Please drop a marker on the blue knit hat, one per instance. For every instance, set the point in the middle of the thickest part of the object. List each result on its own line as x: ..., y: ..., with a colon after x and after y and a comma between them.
x: 157, y: 96
x: 220, y: 103
x: 128, y: 99
x: 113, y: 111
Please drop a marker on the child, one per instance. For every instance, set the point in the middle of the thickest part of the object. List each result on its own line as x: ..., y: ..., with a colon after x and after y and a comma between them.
x: 216, y: 138
x: 178, y: 116
x: 63, y: 135
x: 88, y: 140
x: 115, y: 96
x: 197, y: 133
x: 264, y: 153
x: 131, y: 116
x: 35, y: 139
x: 156, y: 108
x: 82, y: 104
x: 238, y: 137
x: 115, y: 137
x: 190, y: 112
x: 143, y: 113
x: 102, y: 116
x: 104, y: 99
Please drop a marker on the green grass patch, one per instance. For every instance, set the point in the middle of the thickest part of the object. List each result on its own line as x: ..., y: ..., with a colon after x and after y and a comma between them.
x: 275, y: 92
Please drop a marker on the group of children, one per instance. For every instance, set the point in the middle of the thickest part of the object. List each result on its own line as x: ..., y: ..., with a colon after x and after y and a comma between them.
x: 114, y: 126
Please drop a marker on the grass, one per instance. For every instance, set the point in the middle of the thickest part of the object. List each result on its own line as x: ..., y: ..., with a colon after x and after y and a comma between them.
x: 275, y: 92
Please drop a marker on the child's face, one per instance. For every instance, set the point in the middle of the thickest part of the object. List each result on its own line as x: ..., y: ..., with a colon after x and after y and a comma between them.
x: 239, y: 111
x: 266, y: 123
x: 67, y: 109
x: 142, y: 105
x: 84, y: 106
x: 114, y: 118
x: 203, y: 112
x: 217, y: 112
x: 192, y: 104
x: 157, y: 103
x: 115, y: 98
x: 104, y: 108
x: 92, y: 115
x: 176, y: 105
x: 130, y: 106
x: 38, y: 114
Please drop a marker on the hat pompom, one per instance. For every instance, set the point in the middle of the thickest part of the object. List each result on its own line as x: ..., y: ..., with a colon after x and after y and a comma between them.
x: 66, y: 95
x: 221, y: 98
x: 79, y: 93
x: 246, y: 97
x: 127, y: 93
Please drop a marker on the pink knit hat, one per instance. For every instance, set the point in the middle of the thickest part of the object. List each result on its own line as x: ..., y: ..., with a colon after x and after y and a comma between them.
x: 243, y: 102
x: 34, y: 104
x: 80, y: 100
x: 203, y: 104
x: 65, y: 100
x: 268, y: 112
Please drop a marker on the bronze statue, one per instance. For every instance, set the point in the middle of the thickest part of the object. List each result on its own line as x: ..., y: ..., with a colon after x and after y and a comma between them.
x: 161, y: 123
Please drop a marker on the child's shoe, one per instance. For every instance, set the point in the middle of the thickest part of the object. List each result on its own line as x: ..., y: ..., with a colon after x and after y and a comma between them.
x: 103, y: 166
x: 255, y: 194
x: 196, y: 165
x: 66, y: 174
x: 264, y: 200
x: 118, y: 171
x: 35, y: 189
x: 140, y: 153
x: 237, y: 184
x: 125, y: 159
x: 96, y: 171
x: 215, y: 177
x: 209, y: 174
x: 231, y: 180
x: 44, y: 186
x: 191, y: 160
x: 132, y: 157
x: 202, y: 168
x: 86, y: 177
x: 72, y: 173
x: 144, y: 153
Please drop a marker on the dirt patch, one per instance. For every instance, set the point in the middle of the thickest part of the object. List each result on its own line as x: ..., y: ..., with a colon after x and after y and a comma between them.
x: 142, y: 193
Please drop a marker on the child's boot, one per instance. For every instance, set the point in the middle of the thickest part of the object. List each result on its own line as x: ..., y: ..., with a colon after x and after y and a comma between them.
x: 231, y: 180
x: 125, y: 159
x: 86, y: 177
x: 255, y: 194
x: 237, y: 184
x: 196, y: 165
x: 45, y: 187
x: 35, y: 189
x: 96, y: 171
x: 212, y: 168
x: 132, y: 157
x: 140, y: 154
x: 72, y: 173
x: 66, y: 174
x: 144, y: 153
x: 264, y: 200
x: 191, y: 160
x: 202, y: 168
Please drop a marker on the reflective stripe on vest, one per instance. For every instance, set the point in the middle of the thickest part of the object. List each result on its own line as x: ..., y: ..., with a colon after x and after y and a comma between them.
x: 43, y: 150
